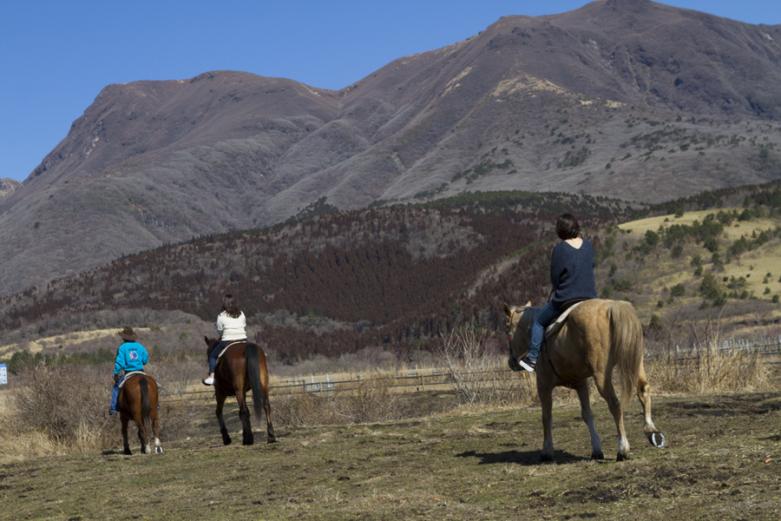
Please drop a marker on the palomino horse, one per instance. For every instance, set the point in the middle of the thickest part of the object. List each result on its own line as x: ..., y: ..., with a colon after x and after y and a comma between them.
x: 138, y: 401
x: 596, y: 339
x: 241, y: 368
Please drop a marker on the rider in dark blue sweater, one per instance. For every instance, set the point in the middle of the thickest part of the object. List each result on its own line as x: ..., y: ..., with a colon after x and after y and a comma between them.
x: 572, y: 278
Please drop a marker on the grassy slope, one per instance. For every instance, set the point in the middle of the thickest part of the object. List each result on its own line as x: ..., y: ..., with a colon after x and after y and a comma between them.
x: 723, y: 462
x: 660, y: 271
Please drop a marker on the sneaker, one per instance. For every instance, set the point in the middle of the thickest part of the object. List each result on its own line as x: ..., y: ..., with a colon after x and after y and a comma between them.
x: 527, y: 364
x: 209, y: 380
x: 112, y: 412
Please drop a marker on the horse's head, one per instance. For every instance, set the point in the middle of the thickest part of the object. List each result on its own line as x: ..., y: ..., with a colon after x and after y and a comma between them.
x: 517, y: 324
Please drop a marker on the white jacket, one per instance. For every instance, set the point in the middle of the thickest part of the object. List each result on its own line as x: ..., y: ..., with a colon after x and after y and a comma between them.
x: 230, y: 328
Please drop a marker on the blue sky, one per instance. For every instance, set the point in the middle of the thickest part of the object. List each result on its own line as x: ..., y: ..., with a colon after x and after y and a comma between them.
x: 56, y: 55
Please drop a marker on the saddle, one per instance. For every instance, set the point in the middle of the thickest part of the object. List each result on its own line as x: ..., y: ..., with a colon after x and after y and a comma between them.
x: 128, y: 375
x: 552, y: 329
x: 224, y: 349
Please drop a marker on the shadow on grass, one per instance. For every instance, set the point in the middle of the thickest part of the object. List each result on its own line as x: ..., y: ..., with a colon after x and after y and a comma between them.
x: 527, y: 458
x: 726, y: 406
x: 112, y: 452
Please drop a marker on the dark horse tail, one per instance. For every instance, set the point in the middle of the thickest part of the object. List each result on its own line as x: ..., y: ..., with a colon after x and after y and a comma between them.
x: 145, y: 407
x: 252, y: 354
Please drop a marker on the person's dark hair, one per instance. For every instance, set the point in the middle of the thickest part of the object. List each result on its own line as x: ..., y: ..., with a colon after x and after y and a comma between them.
x: 567, y: 227
x: 230, y: 306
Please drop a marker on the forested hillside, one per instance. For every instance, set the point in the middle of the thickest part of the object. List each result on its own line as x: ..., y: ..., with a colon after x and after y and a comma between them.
x: 396, y: 275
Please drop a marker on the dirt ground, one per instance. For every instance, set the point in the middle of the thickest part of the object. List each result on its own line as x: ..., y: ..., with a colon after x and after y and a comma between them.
x: 723, y: 462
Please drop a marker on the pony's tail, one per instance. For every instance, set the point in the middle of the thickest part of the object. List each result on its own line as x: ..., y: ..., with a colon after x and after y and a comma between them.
x: 145, y: 407
x: 626, y: 345
x: 253, y: 373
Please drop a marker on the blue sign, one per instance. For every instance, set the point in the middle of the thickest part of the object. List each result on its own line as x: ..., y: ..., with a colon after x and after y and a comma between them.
x: 3, y: 375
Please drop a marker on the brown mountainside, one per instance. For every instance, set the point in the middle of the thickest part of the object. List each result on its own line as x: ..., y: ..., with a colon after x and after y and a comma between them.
x: 626, y: 98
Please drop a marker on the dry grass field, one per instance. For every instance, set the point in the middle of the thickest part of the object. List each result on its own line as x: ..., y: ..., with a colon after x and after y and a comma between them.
x: 477, y: 462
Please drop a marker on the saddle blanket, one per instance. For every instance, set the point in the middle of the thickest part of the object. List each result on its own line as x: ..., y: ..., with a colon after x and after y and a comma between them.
x: 230, y: 345
x: 128, y: 375
x: 556, y: 325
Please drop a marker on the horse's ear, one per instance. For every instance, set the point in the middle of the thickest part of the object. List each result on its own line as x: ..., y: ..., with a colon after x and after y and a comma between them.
x: 206, y: 339
x: 528, y: 304
x: 507, y: 310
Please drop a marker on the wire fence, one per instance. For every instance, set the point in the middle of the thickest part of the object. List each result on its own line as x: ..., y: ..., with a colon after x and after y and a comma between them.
x: 439, y: 379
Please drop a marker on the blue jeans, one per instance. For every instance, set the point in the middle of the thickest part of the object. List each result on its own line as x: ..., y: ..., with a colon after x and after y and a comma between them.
x: 114, y: 396
x: 213, y: 352
x: 543, y: 317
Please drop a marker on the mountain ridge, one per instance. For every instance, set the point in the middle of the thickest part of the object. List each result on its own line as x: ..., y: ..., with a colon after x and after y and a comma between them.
x: 590, y: 101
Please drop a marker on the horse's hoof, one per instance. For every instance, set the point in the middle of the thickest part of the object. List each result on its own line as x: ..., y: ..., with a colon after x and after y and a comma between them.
x: 271, y: 439
x: 248, y: 440
x: 158, y: 450
x: 226, y: 441
x: 127, y: 452
x: 546, y: 458
x: 597, y: 455
x: 514, y: 365
x: 657, y: 439
x: 622, y: 457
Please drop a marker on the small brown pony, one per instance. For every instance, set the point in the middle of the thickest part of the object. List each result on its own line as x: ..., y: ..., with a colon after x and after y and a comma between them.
x: 596, y: 339
x: 138, y: 401
x: 241, y: 368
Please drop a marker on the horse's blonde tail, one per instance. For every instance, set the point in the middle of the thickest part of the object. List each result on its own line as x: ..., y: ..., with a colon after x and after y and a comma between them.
x: 626, y: 345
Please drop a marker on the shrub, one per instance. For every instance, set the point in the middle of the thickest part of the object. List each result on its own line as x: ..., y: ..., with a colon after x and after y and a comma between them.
x: 68, y: 407
x: 651, y: 238
x: 710, y: 287
x: 479, y: 375
x: 708, y: 370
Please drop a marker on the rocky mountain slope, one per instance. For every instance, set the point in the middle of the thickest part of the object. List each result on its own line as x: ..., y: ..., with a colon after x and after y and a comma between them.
x: 7, y: 187
x: 626, y: 98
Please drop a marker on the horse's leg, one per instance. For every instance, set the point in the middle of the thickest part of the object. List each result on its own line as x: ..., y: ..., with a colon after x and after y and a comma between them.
x: 654, y: 436
x: 226, y: 439
x: 605, y: 386
x: 588, y: 417
x: 125, y: 419
x: 545, y: 393
x: 270, y: 437
x: 264, y: 384
x: 142, y: 434
x: 156, y: 430
x: 246, y: 427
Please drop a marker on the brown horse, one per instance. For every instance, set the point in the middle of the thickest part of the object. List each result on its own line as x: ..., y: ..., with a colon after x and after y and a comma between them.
x: 138, y: 401
x: 241, y: 368
x: 598, y: 338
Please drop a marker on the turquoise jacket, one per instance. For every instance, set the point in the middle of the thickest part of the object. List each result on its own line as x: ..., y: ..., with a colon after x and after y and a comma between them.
x: 131, y: 356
